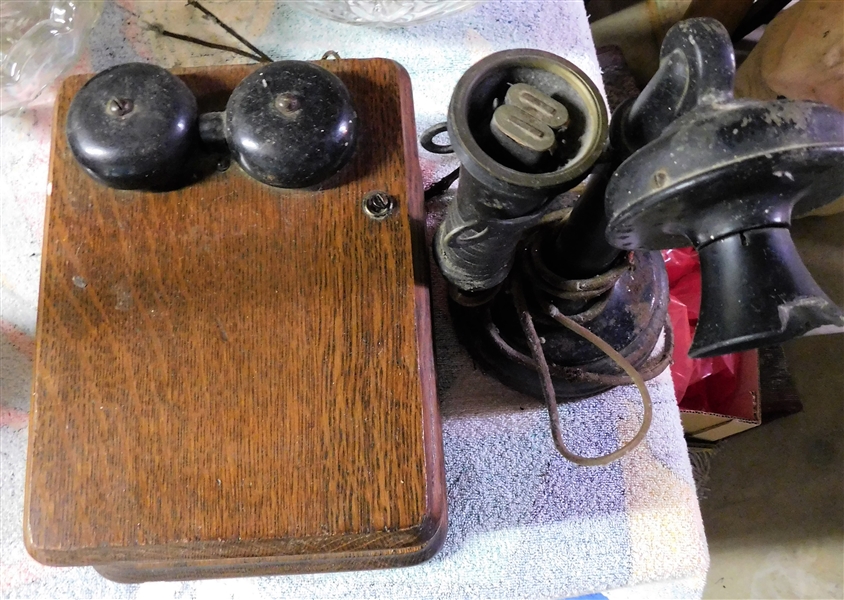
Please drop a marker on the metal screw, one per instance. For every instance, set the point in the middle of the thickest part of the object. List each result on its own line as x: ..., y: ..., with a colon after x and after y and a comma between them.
x: 120, y: 107
x: 288, y: 104
x: 378, y: 205
x: 224, y: 163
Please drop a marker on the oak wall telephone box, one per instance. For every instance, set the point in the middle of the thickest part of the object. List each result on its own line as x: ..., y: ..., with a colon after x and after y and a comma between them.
x: 236, y: 379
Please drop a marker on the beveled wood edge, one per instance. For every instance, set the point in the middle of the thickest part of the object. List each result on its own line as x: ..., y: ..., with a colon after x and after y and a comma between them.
x: 432, y: 426
x: 429, y: 535
x: 33, y: 406
x: 410, y: 541
x: 181, y: 570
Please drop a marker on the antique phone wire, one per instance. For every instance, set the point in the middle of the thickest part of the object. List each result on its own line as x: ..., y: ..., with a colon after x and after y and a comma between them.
x: 159, y: 30
x: 258, y: 56
x: 263, y: 57
x: 535, y: 345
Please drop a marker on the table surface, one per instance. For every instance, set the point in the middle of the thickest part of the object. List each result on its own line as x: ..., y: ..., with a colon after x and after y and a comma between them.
x: 523, y: 522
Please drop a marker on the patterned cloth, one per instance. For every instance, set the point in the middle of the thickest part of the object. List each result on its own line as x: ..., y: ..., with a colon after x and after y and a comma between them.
x: 523, y: 523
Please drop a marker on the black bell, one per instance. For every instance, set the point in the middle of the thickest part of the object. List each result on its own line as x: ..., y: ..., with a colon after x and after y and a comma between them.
x: 291, y: 124
x: 131, y: 126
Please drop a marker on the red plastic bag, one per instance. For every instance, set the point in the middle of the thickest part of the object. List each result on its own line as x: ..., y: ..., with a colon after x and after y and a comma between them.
x: 701, y: 382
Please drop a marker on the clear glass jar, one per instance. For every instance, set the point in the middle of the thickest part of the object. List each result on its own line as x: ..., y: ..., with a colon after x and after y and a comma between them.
x: 383, y: 13
x: 39, y: 41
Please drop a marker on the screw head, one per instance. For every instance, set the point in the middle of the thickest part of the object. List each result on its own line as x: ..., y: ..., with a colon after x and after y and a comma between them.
x: 378, y: 205
x: 120, y: 107
x: 288, y: 104
x: 224, y: 163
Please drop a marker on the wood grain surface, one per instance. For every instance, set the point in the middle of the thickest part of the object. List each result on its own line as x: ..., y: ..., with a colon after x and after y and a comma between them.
x: 234, y: 379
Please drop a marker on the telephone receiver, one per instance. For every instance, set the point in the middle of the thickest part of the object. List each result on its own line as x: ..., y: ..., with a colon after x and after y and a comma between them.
x: 726, y: 175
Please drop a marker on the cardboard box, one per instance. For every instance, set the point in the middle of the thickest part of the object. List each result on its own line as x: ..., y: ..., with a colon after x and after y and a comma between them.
x: 731, y: 415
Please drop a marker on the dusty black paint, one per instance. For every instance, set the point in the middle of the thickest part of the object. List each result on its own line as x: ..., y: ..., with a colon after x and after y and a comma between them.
x: 132, y: 126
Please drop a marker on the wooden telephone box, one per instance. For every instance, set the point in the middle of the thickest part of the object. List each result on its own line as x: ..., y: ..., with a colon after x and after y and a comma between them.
x: 234, y: 379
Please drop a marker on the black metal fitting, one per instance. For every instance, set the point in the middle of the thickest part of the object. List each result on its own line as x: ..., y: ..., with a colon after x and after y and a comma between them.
x: 426, y: 140
x: 577, y: 248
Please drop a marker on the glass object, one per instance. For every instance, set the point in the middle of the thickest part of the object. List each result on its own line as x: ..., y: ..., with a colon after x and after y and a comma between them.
x: 383, y: 13
x: 39, y: 41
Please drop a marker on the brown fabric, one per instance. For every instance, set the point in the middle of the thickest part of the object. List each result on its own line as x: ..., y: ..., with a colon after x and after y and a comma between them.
x: 800, y: 56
